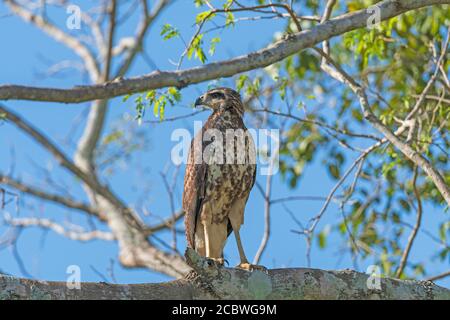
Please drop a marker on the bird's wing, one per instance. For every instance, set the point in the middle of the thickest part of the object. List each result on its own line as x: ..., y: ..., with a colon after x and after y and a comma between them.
x: 194, y: 192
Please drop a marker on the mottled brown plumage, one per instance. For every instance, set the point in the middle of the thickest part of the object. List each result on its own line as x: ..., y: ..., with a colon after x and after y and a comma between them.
x: 217, y: 184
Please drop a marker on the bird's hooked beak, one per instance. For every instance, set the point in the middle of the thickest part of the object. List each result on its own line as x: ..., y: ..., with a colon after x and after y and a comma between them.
x: 199, y: 101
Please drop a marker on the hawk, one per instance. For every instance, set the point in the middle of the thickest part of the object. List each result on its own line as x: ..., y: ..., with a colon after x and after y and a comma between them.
x: 220, y: 174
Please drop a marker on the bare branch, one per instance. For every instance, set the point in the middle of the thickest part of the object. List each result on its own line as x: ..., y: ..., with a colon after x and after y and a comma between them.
x: 301, y: 198
x: 430, y: 82
x: 308, y: 233
x: 109, y: 44
x: 328, y: 10
x: 48, y: 224
x: 267, y: 206
x: 166, y: 224
x: 320, y: 124
x: 170, y: 191
x: 414, y: 232
x: 439, y: 276
x: 62, y: 200
x: 145, y: 23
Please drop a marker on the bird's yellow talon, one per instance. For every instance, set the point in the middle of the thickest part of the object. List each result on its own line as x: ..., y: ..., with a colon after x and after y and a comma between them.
x: 251, y: 267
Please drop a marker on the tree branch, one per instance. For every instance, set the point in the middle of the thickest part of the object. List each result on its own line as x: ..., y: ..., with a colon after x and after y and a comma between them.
x: 275, y: 52
x: 62, y: 200
x: 59, y: 229
x: 110, y: 42
x: 439, y: 276
x: 146, y: 21
x: 267, y: 206
x: 166, y: 224
x: 211, y: 282
x: 416, y: 228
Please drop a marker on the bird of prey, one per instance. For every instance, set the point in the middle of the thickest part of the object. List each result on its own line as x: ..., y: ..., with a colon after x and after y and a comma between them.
x: 220, y: 173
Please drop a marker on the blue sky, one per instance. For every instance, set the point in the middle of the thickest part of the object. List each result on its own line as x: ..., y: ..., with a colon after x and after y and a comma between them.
x: 26, y: 53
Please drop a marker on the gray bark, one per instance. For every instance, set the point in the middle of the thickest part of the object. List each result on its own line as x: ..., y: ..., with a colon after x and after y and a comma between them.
x: 211, y: 282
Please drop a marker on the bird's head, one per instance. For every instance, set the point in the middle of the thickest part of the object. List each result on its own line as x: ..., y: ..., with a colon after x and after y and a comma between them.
x: 221, y: 99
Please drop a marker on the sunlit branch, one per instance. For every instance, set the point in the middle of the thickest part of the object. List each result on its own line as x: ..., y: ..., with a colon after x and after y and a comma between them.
x: 262, y: 58
x: 57, y: 228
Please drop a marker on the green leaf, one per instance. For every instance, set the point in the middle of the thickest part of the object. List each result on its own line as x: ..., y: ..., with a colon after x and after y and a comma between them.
x: 387, y: 167
x: 151, y: 95
x: 212, y: 48
x: 162, y: 109
x: 200, y: 54
x: 113, y: 136
x: 199, y: 3
x: 443, y: 229
x: 156, y: 107
x: 169, y: 32
x: 322, y: 236
x: 197, y: 49
x: 140, y: 108
x: 174, y: 94
x: 203, y: 16
x: 229, y: 21
x: 241, y: 82
x: 227, y: 4
x: 253, y: 87
x: 322, y: 240
x: 282, y: 88
x: 404, y: 204
x: 334, y: 171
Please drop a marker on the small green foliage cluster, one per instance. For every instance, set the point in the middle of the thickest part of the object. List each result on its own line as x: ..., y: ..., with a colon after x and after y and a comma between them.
x: 157, y: 100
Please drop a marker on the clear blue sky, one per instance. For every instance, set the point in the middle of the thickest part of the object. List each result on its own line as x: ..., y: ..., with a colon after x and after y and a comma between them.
x: 26, y: 53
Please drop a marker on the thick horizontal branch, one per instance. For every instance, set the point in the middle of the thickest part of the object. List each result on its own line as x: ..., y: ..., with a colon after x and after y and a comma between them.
x: 25, y: 289
x: 273, y: 53
x: 212, y: 282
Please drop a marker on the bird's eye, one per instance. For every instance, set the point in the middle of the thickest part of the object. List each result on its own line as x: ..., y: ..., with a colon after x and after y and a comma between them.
x: 217, y: 95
